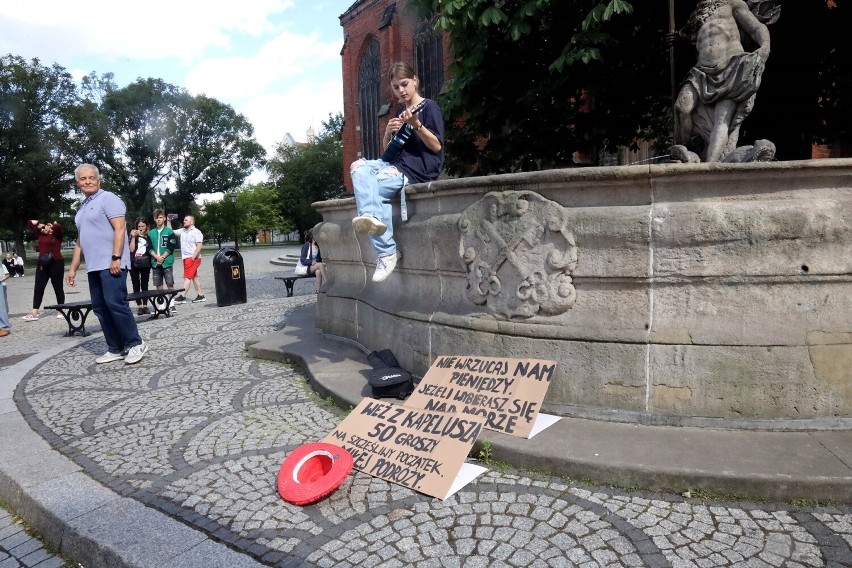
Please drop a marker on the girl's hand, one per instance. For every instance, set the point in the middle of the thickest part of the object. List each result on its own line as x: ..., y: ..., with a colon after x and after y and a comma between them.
x: 134, y: 233
x: 408, y: 117
x: 394, y: 124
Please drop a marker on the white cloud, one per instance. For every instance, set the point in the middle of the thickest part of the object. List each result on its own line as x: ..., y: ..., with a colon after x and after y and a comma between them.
x: 303, y: 105
x: 271, y: 60
x: 282, y: 87
x: 157, y: 29
x: 286, y: 55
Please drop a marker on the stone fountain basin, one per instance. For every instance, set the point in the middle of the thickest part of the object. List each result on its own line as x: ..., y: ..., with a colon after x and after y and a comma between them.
x: 690, y: 294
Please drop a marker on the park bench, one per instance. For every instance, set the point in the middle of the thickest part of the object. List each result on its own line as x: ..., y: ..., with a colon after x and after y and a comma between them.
x: 75, y: 313
x: 289, y: 281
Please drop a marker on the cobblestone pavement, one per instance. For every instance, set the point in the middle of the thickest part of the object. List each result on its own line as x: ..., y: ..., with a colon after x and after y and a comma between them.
x: 20, y: 549
x: 198, y: 430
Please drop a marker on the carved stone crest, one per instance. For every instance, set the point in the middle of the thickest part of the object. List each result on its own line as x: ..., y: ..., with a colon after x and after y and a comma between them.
x: 519, y: 254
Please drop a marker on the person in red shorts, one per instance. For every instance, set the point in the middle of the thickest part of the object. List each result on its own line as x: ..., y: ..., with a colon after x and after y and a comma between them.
x: 191, y: 241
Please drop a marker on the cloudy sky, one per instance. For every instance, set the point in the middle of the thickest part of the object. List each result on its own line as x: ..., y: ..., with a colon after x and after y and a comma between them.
x: 275, y: 61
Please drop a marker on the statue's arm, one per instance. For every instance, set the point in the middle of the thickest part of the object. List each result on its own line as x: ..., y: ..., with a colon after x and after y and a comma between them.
x: 749, y: 23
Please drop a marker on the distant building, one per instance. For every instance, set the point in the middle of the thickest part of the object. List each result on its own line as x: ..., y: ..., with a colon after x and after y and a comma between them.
x: 288, y: 140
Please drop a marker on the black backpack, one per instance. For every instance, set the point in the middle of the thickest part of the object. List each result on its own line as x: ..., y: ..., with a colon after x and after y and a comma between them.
x: 387, y: 379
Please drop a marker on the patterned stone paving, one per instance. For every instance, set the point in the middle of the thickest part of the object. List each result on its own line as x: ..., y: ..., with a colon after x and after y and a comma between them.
x: 198, y: 430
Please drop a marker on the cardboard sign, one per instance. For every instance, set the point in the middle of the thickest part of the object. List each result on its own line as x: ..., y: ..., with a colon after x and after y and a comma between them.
x: 420, y: 449
x: 506, y: 393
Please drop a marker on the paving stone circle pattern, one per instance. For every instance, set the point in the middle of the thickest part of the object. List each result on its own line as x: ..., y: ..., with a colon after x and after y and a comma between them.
x: 199, y: 430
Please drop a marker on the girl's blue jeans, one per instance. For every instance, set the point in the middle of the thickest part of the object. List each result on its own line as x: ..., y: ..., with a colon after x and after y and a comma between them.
x: 376, y: 182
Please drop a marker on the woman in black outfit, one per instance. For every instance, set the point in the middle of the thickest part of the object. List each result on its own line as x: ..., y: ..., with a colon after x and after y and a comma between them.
x: 310, y: 256
x: 140, y: 261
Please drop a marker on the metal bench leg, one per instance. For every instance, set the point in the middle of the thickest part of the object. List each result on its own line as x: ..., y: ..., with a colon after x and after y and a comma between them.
x: 76, y: 318
x: 289, y: 284
x: 162, y: 305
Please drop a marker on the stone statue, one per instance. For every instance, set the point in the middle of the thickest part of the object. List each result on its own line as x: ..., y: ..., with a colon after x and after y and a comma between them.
x: 719, y: 91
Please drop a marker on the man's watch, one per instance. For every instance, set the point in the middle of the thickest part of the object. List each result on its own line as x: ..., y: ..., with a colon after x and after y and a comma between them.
x: 116, y: 257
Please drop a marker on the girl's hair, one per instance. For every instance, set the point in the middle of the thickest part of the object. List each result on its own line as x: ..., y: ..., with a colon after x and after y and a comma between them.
x: 142, y: 220
x: 402, y: 70
x: 309, y: 236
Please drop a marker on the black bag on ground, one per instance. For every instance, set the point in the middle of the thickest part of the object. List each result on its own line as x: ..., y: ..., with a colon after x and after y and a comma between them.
x: 388, y: 380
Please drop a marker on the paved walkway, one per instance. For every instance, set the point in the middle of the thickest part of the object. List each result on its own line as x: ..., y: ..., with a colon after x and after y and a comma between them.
x: 173, y: 462
x: 19, y: 548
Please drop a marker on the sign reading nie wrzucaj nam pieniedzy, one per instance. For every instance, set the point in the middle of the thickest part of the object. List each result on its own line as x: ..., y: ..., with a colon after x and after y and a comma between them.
x: 420, y: 449
x: 506, y: 393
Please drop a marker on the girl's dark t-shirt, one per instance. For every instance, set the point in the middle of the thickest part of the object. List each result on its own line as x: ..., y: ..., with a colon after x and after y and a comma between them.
x: 416, y: 161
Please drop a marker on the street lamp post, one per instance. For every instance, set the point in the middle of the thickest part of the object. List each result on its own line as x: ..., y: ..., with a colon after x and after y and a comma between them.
x: 232, y: 197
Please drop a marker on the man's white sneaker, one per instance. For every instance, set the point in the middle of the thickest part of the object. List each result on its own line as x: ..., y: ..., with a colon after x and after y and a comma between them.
x: 369, y: 225
x: 384, y: 266
x: 109, y: 357
x: 136, y: 353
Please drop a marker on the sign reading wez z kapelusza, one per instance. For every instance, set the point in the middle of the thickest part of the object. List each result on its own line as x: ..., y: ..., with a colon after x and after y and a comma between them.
x: 419, y: 449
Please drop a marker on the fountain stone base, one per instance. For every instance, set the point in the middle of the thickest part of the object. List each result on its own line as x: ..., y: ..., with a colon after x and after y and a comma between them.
x: 685, y: 294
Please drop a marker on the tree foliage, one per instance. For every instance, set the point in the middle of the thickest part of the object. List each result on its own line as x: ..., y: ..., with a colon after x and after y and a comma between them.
x: 150, y: 133
x: 261, y: 211
x: 217, y: 218
x: 535, y: 81
x: 141, y: 120
x: 36, y: 150
x: 213, y: 149
x: 255, y: 210
x: 306, y: 174
x: 145, y: 138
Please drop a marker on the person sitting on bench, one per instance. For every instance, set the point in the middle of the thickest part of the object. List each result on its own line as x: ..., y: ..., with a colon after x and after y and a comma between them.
x: 311, y: 257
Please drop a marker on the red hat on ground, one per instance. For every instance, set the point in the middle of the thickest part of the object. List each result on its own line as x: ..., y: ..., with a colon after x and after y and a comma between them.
x: 312, y: 471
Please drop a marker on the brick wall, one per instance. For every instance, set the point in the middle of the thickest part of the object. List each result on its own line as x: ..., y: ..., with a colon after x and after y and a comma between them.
x: 396, y: 43
x: 821, y: 151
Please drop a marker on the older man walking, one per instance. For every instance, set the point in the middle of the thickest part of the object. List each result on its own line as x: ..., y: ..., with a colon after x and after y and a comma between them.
x: 101, y: 239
